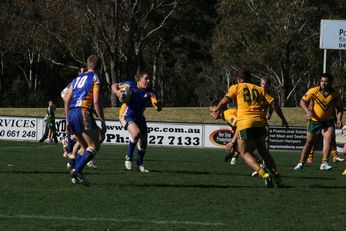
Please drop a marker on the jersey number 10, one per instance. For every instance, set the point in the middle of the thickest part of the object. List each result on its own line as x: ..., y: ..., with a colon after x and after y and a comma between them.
x: 80, y: 81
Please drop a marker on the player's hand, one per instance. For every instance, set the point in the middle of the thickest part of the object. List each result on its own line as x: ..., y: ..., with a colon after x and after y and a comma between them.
x: 309, y: 114
x: 122, y: 96
x: 103, y: 127
x: 229, y: 147
x: 338, y: 124
x: 158, y: 106
x: 118, y: 93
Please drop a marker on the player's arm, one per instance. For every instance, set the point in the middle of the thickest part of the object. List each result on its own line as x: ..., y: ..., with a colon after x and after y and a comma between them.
x: 98, y: 106
x: 230, y: 147
x: 304, y: 104
x: 339, y: 114
x: 116, y: 89
x: 276, y: 107
x: 223, y: 103
x: 231, y: 94
x: 156, y: 103
x: 67, y: 100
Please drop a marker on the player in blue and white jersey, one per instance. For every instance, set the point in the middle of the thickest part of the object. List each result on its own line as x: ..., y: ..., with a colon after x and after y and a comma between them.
x: 82, y: 97
x: 69, y: 142
x: 132, y: 117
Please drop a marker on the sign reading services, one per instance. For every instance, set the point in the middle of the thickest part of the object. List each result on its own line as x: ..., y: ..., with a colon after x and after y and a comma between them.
x: 18, y: 128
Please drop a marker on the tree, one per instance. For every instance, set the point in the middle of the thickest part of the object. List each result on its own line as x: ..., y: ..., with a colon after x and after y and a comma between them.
x: 265, y: 36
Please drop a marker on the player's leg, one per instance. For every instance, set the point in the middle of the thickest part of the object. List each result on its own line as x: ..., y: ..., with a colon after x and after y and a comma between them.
x: 92, y: 144
x: 134, y: 132
x: 50, y: 135
x: 311, y: 155
x: 328, y: 137
x: 310, y: 140
x: 245, y: 147
x: 74, y: 154
x: 142, y: 144
x: 55, y: 138
x: 70, y: 147
x: 334, y: 152
x: 45, y: 134
x: 268, y: 159
x: 313, y: 131
x: 101, y: 137
x: 267, y: 137
x: 84, y: 127
x: 141, y: 149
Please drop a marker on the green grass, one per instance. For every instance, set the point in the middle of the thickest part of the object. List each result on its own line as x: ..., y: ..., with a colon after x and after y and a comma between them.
x: 187, y: 189
x: 294, y: 116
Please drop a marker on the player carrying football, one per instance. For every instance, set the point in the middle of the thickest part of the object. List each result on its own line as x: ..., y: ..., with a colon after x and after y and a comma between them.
x: 131, y: 114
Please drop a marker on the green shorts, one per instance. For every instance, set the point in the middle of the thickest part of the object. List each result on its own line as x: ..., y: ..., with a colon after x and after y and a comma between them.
x: 252, y: 133
x: 315, y: 127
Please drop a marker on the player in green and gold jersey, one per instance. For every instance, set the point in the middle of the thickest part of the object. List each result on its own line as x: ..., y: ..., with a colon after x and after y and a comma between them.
x: 325, y: 114
x: 251, y: 129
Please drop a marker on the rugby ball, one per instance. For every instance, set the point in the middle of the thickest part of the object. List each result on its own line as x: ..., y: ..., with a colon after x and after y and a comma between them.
x: 126, y: 95
x: 64, y: 92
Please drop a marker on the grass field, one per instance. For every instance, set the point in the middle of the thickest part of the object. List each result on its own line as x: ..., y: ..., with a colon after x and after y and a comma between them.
x: 294, y: 115
x: 187, y: 189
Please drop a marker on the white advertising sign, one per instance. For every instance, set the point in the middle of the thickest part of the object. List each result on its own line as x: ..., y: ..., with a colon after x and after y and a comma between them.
x: 216, y: 136
x: 333, y: 34
x: 18, y: 128
x: 159, y: 134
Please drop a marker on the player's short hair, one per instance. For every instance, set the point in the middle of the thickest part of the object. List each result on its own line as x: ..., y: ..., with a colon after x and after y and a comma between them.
x: 328, y: 76
x: 244, y: 75
x: 93, y: 62
x: 140, y: 74
x: 267, y: 79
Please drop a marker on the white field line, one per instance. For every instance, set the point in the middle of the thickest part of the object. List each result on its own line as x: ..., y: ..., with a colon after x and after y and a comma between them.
x: 116, y: 220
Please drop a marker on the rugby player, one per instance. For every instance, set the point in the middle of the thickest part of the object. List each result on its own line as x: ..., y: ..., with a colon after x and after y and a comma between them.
x: 131, y: 115
x: 82, y: 97
x: 326, y: 113
x: 251, y: 130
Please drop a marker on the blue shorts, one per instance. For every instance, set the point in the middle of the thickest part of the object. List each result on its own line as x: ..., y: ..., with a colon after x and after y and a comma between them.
x: 80, y: 119
x: 141, y: 123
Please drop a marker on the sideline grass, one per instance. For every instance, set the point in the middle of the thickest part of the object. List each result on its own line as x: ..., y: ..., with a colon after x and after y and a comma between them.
x: 294, y: 116
x: 187, y: 189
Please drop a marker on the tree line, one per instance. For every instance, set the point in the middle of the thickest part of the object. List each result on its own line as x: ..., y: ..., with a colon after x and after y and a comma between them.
x: 191, y: 48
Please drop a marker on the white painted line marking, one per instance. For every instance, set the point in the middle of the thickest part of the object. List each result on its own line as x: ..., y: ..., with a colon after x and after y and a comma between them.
x: 160, y: 222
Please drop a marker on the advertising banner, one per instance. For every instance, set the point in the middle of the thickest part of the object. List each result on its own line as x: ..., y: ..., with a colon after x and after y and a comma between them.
x: 292, y: 138
x: 287, y: 138
x: 163, y: 134
x: 18, y: 128
x: 159, y: 134
x: 216, y: 136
